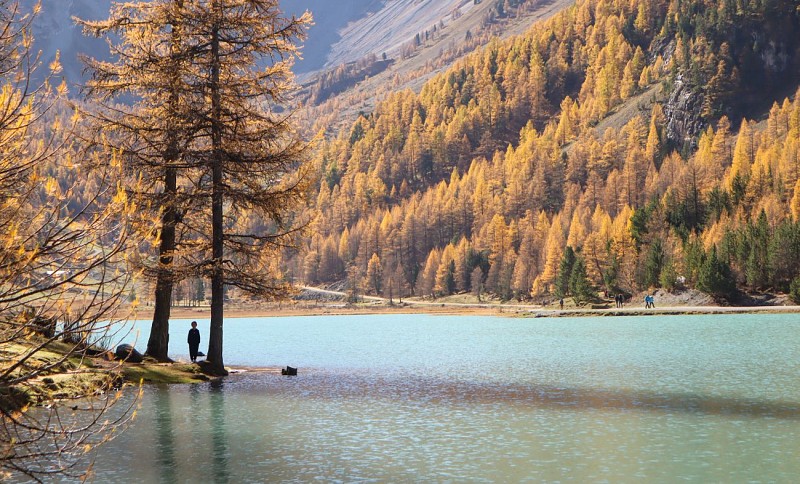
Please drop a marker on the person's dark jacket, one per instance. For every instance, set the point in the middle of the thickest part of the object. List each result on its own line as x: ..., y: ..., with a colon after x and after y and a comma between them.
x: 194, y: 336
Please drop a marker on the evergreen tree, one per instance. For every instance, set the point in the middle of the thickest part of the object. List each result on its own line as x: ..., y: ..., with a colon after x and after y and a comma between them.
x: 653, y: 264
x: 668, y: 277
x: 565, y: 270
x: 579, y: 285
x: 794, y: 290
x: 784, y: 254
x: 757, y: 262
x: 716, y: 278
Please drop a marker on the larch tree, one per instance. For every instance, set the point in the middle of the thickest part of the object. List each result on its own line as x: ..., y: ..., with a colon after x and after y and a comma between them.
x: 795, y: 203
x: 427, y: 278
x: 375, y: 274
x: 743, y: 154
x: 211, y: 78
x: 151, y: 134
x: 444, y: 281
x: 62, y: 268
x: 553, y: 250
x: 250, y: 157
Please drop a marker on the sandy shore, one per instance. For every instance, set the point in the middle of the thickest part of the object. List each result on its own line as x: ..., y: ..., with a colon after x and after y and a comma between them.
x: 449, y: 308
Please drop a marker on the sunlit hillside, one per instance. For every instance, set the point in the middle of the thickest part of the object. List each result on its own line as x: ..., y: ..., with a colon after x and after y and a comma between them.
x: 618, y: 146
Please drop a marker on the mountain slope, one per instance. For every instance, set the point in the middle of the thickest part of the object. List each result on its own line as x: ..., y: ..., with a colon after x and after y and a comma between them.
x: 54, y: 29
x: 337, y: 95
x: 330, y: 20
x: 343, y: 31
x: 581, y: 133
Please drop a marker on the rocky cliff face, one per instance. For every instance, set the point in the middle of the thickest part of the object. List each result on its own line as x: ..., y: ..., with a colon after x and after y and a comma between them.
x: 682, y: 110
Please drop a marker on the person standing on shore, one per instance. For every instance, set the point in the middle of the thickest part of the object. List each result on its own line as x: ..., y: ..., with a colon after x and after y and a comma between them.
x: 194, y: 341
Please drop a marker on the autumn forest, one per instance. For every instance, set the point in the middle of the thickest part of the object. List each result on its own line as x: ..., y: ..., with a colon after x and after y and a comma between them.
x: 619, y: 146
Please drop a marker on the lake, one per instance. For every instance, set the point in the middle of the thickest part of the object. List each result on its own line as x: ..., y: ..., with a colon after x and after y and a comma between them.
x: 405, y: 398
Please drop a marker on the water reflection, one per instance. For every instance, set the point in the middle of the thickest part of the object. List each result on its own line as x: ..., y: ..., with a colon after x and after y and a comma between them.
x: 165, y: 437
x: 436, y: 391
x: 219, y: 442
x: 469, y: 400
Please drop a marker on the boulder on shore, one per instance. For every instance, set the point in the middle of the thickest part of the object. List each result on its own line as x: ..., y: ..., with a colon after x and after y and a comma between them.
x: 128, y: 353
x: 289, y: 371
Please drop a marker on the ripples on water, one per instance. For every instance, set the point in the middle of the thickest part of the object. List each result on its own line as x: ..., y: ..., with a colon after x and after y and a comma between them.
x: 485, y: 400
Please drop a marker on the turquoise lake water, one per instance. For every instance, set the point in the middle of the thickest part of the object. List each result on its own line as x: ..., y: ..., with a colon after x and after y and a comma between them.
x: 422, y: 398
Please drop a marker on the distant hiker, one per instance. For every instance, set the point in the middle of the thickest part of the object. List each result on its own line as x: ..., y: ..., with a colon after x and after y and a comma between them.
x: 652, y: 301
x: 194, y: 341
x: 649, y: 301
x: 561, y: 303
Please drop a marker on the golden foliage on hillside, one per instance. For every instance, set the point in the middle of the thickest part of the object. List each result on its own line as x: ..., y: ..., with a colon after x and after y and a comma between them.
x: 499, y: 163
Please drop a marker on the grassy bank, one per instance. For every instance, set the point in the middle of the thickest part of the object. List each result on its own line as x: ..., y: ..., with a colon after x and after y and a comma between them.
x: 64, y: 373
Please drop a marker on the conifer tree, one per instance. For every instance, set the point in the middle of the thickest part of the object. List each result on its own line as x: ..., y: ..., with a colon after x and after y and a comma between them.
x: 151, y: 135
x: 795, y: 203
x: 579, y: 284
x: 715, y: 277
x: 248, y: 154
x: 375, y: 274
x: 794, y: 290
x: 232, y: 61
x: 565, y: 270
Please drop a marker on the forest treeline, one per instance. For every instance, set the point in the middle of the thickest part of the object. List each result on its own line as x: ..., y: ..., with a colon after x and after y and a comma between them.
x: 617, y: 131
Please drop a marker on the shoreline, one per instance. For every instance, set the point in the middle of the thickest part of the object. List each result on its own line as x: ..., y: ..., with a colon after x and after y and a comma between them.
x: 64, y: 384
x: 456, y: 309
x: 185, y: 372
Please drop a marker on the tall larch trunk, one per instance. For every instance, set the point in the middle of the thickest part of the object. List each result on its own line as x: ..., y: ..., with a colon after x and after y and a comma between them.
x: 214, y: 356
x: 158, y: 343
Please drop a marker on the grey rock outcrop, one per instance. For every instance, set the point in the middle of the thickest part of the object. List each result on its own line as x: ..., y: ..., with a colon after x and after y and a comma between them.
x: 682, y: 111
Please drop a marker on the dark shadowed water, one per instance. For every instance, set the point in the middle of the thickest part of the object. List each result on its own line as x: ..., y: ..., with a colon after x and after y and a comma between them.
x: 406, y: 398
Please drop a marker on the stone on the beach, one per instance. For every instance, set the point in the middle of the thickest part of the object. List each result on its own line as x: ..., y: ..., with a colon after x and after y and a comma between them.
x: 128, y: 353
x: 289, y: 371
